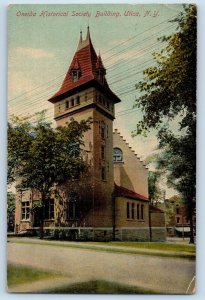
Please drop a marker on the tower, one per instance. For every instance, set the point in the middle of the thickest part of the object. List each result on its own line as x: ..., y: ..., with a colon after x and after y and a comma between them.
x: 85, y: 93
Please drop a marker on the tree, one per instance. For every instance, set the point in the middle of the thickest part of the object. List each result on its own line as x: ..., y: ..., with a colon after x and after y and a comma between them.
x: 40, y: 157
x: 153, y: 187
x: 10, y: 211
x: 169, y: 94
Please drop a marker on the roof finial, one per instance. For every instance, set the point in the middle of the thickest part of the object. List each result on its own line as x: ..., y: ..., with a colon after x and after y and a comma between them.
x: 81, y: 39
x: 88, y: 33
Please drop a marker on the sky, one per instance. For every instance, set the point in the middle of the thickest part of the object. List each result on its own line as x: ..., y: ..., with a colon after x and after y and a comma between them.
x: 41, y: 47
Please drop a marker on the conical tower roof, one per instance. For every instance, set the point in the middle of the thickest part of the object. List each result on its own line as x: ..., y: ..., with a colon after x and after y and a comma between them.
x: 87, y: 62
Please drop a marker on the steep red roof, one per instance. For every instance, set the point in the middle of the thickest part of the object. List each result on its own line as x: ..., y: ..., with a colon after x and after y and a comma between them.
x: 87, y: 62
x: 123, y: 192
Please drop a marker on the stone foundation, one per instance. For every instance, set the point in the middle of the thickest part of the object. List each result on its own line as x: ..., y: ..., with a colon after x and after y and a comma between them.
x: 104, y: 234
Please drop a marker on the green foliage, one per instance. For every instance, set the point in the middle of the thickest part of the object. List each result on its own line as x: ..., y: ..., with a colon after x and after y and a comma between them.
x: 40, y: 157
x: 169, y: 94
x: 153, y: 187
x: 169, y: 88
x: 10, y: 203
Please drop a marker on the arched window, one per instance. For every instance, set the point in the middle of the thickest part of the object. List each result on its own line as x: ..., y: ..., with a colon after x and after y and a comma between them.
x: 117, y: 155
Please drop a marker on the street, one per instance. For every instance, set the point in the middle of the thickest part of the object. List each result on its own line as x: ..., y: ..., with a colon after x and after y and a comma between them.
x: 163, y: 275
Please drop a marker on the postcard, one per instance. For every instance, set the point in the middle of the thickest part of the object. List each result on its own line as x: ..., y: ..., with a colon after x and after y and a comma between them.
x: 101, y: 148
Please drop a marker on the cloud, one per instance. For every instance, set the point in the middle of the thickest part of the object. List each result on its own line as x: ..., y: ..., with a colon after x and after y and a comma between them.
x: 19, y: 83
x: 35, y: 53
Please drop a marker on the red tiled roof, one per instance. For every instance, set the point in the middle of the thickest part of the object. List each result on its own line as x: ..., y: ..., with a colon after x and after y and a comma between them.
x: 87, y: 61
x: 123, y: 192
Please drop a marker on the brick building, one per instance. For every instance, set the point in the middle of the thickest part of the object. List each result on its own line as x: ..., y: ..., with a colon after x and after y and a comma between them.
x: 112, y: 202
x: 177, y: 221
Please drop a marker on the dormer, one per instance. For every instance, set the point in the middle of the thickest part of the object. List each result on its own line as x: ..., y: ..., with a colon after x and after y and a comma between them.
x: 75, y: 70
x: 100, y: 69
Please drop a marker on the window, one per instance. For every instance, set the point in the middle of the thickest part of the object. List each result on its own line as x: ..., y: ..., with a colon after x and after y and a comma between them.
x: 103, y: 173
x: 49, y: 209
x: 177, y: 210
x: 72, y: 102
x: 102, y: 129
x: 117, y: 155
x: 67, y: 105
x: 73, y: 206
x: 25, y: 210
x: 178, y: 220
x: 142, y: 212
x: 77, y: 100
x: 133, y: 211
x: 74, y: 150
x: 75, y: 75
x: 100, y: 98
x: 103, y: 152
x: 128, y: 210
x: 138, y: 211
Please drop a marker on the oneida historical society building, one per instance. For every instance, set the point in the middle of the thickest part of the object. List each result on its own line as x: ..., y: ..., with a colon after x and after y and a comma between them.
x: 111, y: 202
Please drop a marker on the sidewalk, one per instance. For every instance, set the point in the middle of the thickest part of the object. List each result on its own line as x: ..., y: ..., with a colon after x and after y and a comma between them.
x: 103, y: 247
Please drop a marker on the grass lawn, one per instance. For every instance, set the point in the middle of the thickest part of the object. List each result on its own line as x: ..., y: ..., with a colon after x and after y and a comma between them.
x: 98, y: 287
x: 151, y: 246
x: 17, y: 274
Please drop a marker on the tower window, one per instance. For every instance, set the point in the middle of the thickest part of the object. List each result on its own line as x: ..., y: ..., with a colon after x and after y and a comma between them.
x: 103, y: 173
x: 77, y: 100
x: 102, y: 130
x: 103, y: 152
x: 25, y: 210
x: 117, y: 155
